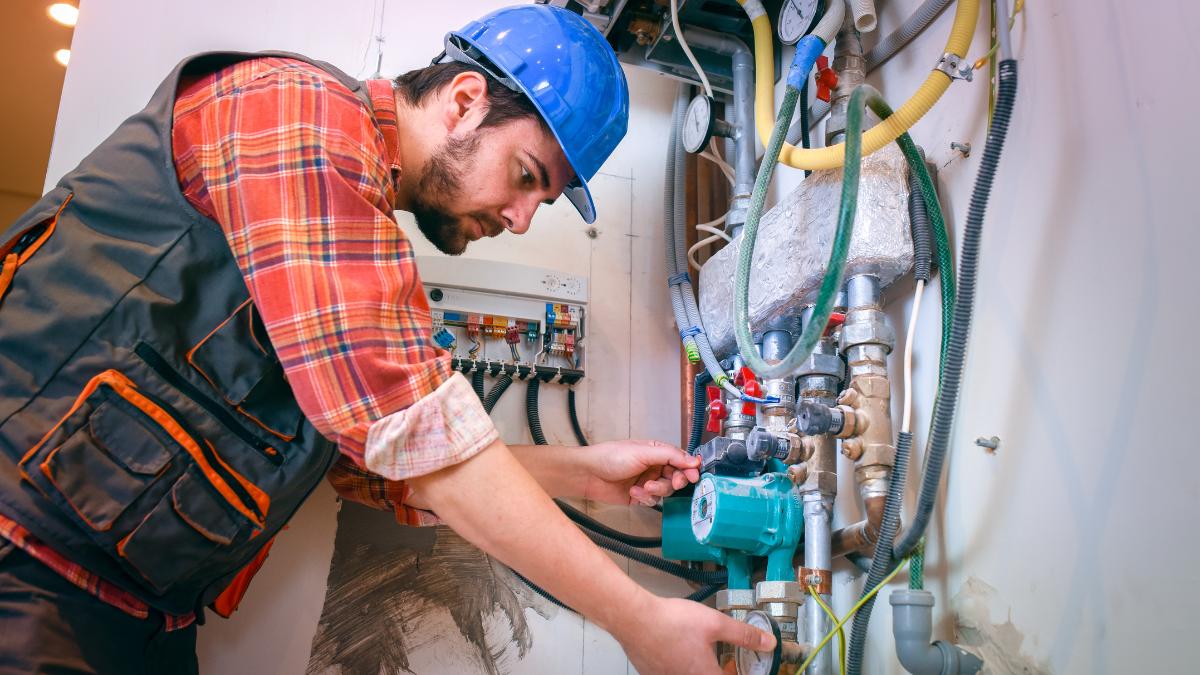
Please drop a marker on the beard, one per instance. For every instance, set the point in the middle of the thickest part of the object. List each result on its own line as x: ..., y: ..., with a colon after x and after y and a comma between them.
x: 441, y: 184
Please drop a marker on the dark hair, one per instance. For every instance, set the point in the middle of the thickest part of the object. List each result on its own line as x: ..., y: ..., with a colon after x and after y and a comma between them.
x: 504, y: 104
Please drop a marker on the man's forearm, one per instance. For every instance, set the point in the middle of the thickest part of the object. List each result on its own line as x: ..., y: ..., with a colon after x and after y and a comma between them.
x: 559, y: 470
x: 493, y: 502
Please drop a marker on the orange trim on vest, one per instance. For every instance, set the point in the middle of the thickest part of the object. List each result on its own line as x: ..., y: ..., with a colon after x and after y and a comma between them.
x: 229, y: 599
x: 8, y: 269
x: 127, y: 390
x: 191, y: 352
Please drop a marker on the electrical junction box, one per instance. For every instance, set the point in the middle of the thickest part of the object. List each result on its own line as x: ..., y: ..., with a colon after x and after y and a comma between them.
x: 504, y: 316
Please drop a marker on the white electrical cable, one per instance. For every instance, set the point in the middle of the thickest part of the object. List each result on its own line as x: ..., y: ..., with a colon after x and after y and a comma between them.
x: 717, y: 235
x: 688, y: 50
x: 704, y: 227
x: 906, y: 423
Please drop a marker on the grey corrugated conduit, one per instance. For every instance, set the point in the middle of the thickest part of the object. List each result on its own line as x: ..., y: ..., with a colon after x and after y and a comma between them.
x: 880, y: 53
x: 683, y: 298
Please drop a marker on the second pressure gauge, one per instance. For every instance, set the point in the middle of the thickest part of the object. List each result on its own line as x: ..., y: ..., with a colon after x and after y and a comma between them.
x: 750, y: 662
x: 796, y: 18
x: 699, y: 124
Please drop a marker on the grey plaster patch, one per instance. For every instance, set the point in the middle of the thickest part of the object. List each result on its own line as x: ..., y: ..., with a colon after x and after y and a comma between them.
x: 998, y: 644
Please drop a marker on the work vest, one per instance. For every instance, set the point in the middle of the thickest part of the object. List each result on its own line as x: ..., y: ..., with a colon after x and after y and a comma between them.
x: 147, y: 431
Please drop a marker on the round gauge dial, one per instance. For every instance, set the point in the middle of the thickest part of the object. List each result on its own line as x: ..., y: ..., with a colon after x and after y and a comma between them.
x: 703, y: 509
x: 796, y: 18
x: 698, y: 123
x: 750, y: 662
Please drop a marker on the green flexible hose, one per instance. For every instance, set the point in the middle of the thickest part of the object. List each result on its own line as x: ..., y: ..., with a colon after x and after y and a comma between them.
x: 835, y: 271
x: 916, y: 570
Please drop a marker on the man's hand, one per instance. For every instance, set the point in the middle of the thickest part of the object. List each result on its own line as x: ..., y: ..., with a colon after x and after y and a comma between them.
x: 636, y: 472
x: 679, y: 636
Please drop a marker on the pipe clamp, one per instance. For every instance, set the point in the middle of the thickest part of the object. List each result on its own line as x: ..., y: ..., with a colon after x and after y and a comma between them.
x: 952, y: 65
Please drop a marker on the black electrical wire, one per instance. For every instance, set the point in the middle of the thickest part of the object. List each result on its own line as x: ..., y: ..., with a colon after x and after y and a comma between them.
x: 699, y: 410
x: 493, y: 396
x: 946, y: 404
x: 704, y: 593
x: 477, y: 382
x: 699, y: 595
x: 947, y: 400
x: 649, y: 560
x: 587, y: 522
x: 574, y: 416
x: 922, y: 233
x: 531, y: 411
x: 805, y: 141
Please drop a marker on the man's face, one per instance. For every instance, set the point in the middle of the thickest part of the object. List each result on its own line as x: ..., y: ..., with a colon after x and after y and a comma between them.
x: 485, y: 181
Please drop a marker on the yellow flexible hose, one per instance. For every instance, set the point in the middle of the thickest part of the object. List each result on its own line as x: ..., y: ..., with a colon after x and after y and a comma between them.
x: 965, y: 15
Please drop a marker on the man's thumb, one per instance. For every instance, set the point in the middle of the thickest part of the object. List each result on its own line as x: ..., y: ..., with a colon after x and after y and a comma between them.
x: 741, y: 634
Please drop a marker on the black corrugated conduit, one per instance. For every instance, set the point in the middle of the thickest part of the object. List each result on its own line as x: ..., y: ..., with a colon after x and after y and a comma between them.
x: 699, y: 410
x: 587, y: 522
x: 922, y: 234
x: 531, y: 411
x: 960, y: 327
x: 477, y: 382
x: 881, y: 561
x: 946, y: 404
x: 574, y: 416
x: 503, y: 382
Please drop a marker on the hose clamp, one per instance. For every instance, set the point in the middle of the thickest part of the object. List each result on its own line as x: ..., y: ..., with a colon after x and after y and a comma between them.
x: 952, y: 65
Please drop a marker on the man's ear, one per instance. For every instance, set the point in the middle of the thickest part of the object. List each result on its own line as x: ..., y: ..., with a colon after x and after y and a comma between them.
x: 465, y: 103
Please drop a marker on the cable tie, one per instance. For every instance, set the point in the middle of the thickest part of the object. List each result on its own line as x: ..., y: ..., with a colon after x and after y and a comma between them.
x: 691, y: 331
x: 677, y: 279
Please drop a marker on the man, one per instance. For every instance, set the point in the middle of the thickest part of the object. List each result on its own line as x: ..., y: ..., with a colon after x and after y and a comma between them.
x: 216, y: 309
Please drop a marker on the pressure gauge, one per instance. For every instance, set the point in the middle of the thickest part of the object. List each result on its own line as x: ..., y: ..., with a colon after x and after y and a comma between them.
x: 796, y: 18
x: 750, y: 662
x: 699, y: 122
x: 704, y: 507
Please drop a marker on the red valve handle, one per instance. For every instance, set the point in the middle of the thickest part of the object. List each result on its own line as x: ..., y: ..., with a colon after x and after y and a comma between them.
x: 749, y: 384
x: 716, y: 413
x: 826, y: 79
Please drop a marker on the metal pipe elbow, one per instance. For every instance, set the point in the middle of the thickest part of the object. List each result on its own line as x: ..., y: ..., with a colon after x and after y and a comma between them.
x: 912, y: 627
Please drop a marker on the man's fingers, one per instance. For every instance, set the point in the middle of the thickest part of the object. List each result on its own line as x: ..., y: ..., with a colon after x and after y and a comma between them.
x: 741, y: 634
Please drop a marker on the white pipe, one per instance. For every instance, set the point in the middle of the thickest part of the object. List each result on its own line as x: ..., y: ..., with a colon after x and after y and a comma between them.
x: 863, y: 12
x: 829, y: 25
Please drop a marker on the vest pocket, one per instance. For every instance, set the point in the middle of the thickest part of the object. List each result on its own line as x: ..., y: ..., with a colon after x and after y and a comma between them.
x: 114, y: 445
x: 236, y: 359
x: 184, y: 528
x: 102, y: 468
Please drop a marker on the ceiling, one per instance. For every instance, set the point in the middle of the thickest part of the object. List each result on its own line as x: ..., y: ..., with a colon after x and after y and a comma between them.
x: 32, y: 82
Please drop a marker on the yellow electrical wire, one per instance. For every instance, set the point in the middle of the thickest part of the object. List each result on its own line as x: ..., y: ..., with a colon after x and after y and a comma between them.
x: 1012, y: 21
x: 853, y: 610
x: 965, y: 16
x: 841, y: 634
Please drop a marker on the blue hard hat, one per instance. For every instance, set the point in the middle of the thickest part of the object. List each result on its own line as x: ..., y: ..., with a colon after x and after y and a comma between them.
x: 565, y: 66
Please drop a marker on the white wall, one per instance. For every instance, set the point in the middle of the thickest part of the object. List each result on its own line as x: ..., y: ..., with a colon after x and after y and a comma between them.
x: 1080, y: 351
x: 123, y: 48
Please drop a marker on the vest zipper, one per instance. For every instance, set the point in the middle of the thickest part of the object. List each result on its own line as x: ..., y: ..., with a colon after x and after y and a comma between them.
x: 159, y: 365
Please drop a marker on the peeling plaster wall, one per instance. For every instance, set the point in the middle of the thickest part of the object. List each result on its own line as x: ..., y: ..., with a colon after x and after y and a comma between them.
x: 1074, y: 534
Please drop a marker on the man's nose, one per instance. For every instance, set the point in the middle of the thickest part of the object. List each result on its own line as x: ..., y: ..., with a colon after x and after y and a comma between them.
x: 517, y: 216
